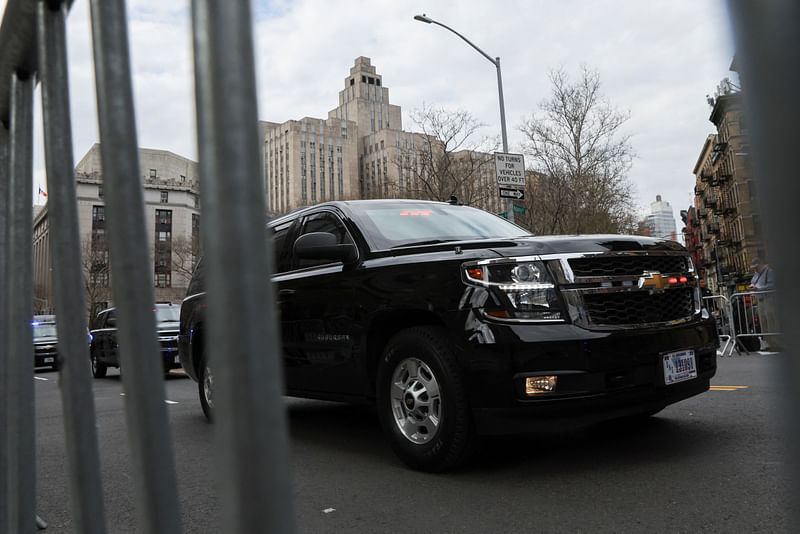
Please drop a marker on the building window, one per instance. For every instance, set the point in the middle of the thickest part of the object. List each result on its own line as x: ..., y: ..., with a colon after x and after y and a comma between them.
x: 164, y: 197
x: 98, y: 215
x: 163, y: 279
x: 153, y: 173
x: 183, y: 178
x: 100, y: 191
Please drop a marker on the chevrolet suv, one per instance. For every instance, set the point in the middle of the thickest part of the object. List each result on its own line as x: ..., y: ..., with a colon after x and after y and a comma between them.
x: 103, y: 345
x: 457, y: 323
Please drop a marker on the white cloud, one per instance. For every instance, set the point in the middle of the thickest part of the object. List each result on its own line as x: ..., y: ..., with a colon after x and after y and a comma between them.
x: 658, y: 61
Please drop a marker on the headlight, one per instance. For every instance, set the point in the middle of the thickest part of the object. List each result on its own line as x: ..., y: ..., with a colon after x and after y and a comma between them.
x: 523, y: 287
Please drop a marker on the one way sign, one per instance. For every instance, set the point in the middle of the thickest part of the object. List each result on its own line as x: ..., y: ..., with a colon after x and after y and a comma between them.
x: 507, y: 192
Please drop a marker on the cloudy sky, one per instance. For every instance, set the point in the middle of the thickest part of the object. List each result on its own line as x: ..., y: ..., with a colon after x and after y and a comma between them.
x: 656, y: 60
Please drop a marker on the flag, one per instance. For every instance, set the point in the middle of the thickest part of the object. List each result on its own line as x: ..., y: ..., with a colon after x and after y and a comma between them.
x: 41, y: 192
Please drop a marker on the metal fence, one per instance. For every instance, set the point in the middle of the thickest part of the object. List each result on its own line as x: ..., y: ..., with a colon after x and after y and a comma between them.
x: 251, y: 435
x: 746, y: 322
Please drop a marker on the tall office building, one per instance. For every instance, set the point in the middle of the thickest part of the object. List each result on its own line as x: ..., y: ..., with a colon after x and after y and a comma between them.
x: 359, y: 151
x: 661, y: 220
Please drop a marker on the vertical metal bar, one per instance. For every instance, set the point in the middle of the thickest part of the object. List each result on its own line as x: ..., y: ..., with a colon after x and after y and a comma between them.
x: 5, y: 199
x: 80, y: 429
x: 251, y: 434
x: 21, y: 414
x: 768, y: 52
x: 132, y: 276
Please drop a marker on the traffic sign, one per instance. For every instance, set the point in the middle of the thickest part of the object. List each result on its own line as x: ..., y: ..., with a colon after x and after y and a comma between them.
x: 510, y: 169
x: 519, y: 209
x: 507, y: 192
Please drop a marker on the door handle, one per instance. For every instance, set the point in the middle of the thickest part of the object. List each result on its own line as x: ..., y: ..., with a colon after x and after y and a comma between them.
x: 286, y: 293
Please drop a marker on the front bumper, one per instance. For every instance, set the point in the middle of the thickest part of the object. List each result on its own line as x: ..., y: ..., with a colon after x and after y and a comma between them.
x: 45, y: 356
x: 169, y: 351
x: 602, y: 375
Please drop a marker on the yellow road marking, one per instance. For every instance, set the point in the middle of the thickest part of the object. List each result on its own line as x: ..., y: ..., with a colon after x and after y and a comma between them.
x: 727, y: 388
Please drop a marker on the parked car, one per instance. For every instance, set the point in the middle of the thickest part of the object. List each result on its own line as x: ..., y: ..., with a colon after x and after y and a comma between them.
x: 45, y: 341
x: 103, y: 347
x: 458, y: 323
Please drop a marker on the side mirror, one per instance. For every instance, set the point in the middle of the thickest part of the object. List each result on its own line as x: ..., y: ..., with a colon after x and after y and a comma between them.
x: 323, y: 246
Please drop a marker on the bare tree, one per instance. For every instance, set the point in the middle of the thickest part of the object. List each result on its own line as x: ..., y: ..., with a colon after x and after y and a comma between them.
x: 580, y: 161
x: 446, y: 159
x: 96, y: 275
x: 184, y: 257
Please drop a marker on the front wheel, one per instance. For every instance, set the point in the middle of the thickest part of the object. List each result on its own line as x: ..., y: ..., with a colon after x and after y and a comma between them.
x: 205, y: 387
x: 422, y: 402
x: 98, y: 369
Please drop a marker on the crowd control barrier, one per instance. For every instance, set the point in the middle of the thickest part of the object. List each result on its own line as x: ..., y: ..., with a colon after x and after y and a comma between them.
x: 252, y: 455
x: 754, y: 321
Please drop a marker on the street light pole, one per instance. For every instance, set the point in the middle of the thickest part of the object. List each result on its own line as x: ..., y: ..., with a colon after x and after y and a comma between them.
x: 496, y: 62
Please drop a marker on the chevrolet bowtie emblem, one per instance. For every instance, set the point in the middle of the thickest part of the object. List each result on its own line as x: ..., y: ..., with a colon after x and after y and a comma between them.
x: 653, y: 280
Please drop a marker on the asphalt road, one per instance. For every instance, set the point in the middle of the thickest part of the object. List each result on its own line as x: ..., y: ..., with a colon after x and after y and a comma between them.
x: 713, y: 463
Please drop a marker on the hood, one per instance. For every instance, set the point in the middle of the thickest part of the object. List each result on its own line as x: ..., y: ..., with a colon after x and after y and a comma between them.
x: 574, y: 244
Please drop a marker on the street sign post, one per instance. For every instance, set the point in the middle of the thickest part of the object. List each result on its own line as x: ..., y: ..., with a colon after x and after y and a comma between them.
x: 508, y: 192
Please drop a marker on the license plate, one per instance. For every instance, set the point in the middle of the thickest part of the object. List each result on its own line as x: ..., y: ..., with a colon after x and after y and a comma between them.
x: 49, y: 360
x: 679, y: 366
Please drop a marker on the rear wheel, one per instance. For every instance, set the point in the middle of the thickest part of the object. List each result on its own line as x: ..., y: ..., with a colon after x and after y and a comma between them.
x: 98, y: 369
x: 205, y: 387
x: 422, y: 402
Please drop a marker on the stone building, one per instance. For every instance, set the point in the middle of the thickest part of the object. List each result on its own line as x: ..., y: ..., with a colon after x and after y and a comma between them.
x: 172, y: 214
x: 359, y: 151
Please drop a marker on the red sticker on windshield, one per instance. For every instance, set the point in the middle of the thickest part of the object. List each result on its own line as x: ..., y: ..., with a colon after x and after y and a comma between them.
x: 415, y: 213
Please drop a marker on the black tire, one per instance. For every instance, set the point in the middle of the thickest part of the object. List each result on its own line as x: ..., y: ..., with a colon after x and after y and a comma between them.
x: 422, y: 401
x: 205, y: 388
x: 98, y: 369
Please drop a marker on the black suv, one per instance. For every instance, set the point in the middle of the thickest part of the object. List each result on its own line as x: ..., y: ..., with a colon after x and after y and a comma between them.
x: 45, y: 341
x: 457, y: 323
x: 103, y: 345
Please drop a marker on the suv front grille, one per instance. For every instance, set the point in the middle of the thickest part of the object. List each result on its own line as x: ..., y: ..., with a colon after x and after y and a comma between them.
x: 630, y: 288
x: 639, y: 306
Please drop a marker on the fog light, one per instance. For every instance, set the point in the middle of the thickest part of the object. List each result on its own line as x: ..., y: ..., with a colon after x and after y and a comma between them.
x: 536, y: 385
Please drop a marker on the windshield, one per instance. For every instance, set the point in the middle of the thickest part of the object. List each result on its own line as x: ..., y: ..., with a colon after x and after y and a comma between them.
x: 44, y: 330
x: 405, y: 224
x: 168, y: 314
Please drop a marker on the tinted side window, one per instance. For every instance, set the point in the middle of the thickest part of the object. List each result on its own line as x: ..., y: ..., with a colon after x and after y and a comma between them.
x: 324, y: 222
x: 279, y: 248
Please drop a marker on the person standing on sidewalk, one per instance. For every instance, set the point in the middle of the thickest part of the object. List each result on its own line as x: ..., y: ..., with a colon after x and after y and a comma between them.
x: 764, y: 280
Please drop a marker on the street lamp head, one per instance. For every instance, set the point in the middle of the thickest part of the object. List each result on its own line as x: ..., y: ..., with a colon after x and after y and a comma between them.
x: 423, y: 18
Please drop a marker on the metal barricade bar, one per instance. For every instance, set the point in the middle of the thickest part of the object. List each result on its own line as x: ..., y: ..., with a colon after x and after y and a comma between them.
x: 718, y: 307
x: 19, y: 291
x: 251, y: 432
x: 86, y: 492
x: 150, y: 438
